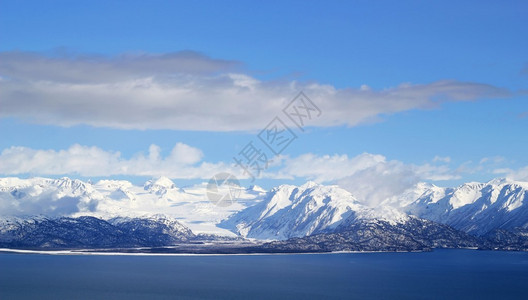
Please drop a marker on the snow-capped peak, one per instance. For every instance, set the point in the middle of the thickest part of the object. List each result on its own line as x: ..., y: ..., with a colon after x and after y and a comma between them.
x: 507, y: 181
x: 159, y: 185
x: 473, y: 207
x: 256, y: 189
x: 74, y: 185
x: 309, y: 184
x: 297, y: 211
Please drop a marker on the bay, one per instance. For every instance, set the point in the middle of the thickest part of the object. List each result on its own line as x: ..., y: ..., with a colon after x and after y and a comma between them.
x: 440, y: 274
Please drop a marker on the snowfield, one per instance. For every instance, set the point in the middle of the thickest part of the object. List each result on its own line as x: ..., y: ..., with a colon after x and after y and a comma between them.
x: 109, y: 199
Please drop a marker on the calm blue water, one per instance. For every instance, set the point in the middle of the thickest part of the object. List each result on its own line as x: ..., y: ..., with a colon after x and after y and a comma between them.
x: 442, y: 274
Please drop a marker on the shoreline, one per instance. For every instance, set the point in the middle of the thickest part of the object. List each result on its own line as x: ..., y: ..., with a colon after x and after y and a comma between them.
x: 87, y: 252
x: 101, y: 253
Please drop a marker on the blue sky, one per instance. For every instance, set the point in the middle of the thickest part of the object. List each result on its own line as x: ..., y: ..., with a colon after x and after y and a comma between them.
x: 463, y: 64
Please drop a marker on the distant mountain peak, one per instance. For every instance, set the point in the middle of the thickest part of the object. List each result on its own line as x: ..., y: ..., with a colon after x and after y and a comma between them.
x: 159, y: 184
x: 256, y: 188
x: 309, y: 184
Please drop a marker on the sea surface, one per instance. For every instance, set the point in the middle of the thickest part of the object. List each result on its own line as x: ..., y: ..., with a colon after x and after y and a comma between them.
x: 441, y: 274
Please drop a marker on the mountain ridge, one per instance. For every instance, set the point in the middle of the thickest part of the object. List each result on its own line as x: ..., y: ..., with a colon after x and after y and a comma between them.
x: 476, y: 208
x: 495, y: 214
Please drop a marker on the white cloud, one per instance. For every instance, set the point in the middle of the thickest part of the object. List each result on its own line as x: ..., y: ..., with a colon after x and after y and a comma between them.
x: 327, y: 168
x: 370, y: 177
x: 380, y: 182
x: 385, y: 179
x: 186, y: 162
x: 185, y: 154
x: 189, y: 91
x: 520, y: 174
x: 492, y: 160
x: 331, y: 168
x: 183, y: 161
x: 486, y: 165
x: 445, y: 159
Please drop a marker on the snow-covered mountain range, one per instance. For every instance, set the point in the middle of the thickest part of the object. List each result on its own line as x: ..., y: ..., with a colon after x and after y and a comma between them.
x: 475, y: 208
x: 108, y: 199
x: 497, y: 209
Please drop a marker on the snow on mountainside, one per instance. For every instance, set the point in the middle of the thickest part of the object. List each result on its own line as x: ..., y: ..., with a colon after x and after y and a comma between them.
x: 290, y: 211
x: 284, y: 212
x: 45, y: 196
x: 476, y: 208
x: 160, y: 185
x: 108, y: 199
